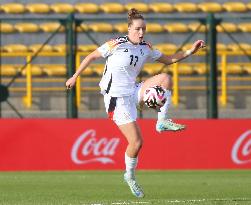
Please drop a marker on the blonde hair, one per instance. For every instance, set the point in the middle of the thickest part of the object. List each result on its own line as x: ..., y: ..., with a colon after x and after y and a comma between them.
x: 132, y: 15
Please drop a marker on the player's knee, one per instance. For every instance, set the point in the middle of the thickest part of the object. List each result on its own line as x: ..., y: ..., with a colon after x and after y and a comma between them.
x: 138, y: 144
x: 166, y: 80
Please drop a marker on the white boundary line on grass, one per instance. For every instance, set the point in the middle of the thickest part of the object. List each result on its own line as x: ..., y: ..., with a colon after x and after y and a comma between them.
x: 123, y: 203
x: 132, y: 202
x: 173, y: 201
x: 203, y: 200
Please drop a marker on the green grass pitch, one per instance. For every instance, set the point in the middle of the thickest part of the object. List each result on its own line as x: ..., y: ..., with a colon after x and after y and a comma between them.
x: 107, y: 187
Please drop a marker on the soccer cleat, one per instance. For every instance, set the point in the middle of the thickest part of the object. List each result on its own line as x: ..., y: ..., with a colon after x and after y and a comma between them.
x: 135, y: 188
x: 168, y: 125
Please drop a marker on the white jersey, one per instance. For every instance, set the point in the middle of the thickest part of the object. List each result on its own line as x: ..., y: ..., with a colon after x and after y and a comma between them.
x: 124, y: 61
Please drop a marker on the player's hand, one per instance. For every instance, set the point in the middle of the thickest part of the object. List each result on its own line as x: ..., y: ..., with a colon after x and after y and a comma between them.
x: 197, y: 45
x: 70, y: 82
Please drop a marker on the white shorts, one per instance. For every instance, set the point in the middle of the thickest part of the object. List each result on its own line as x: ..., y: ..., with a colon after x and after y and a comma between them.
x: 123, y: 110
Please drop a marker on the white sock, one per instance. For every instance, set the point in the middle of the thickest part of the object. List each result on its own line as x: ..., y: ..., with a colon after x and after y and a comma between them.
x: 131, y: 164
x: 162, y: 115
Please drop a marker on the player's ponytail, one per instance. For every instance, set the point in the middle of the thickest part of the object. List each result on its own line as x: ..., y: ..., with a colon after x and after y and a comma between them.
x: 133, y: 14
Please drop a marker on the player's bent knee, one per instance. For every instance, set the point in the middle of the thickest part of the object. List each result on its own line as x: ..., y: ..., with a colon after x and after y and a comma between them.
x: 138, y: 144
x: 167, y: 80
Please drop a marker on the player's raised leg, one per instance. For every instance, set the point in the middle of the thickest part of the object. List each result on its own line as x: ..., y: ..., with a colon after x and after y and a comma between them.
x: 163, y: 123
x: 135, y: 141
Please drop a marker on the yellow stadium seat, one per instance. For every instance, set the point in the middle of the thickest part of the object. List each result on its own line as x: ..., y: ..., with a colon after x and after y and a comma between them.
x: 35, y: 70
x: 189, y: 46
x: 97, y: 68
x: 26, y: 27
x: 229, y: 27
x: 112, y: 7
x: 247, y: 68
x: 82, y: 27
x: 210, y: 7
x: 88, y: 71
x: 154, y: 28
x: 186, y: 46
x: 249, y: 5
x: 141, y: 7
x: 186, y: 7
x: 244, y: 27
x: 8, y: 70
x: 121, y: 27
x: 176, y: 27
x: 161, y: 7
x: 221, y: 47
x: 87, y: 48
x: 6, y: 28
x: 235, y: 47
x: 200, y: 68
x: 153, y: 68
x: 59, y: 48
x: 193, y: 26
x: 39, y: 8
x: 14, y: 48
x: 234, y: 7
x: 13, y: 8
x: 62, y: 8
x: 88, y: 8
x: 185, y: 69
x: 51, y: 27
x: 101, y: 27
x: 166, y: 47
x: 233, y: 68
x: 54, y: 70
x: 35, y: 47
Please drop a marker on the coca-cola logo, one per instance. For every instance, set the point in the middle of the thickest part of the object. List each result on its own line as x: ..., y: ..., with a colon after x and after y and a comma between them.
x: 88, y: 148
x: 241, y: 152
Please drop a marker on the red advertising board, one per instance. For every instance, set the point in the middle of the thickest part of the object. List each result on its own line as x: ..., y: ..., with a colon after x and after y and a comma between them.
x: 53, y: 144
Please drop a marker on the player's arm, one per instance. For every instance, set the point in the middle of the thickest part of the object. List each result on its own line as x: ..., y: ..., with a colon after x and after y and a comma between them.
x: 84, y: 64
x: 87, y: 60
x: 181, y: 55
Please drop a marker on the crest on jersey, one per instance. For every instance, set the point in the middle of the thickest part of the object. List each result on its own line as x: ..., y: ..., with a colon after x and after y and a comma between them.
x: 114, y: 42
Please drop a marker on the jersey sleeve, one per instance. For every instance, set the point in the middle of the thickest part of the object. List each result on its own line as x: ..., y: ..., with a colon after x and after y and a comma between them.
x: 154, y: 55
x: 107, y: 48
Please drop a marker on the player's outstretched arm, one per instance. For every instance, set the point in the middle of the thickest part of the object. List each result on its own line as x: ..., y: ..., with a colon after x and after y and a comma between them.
x: 84, y: 64
x: 182, y: 55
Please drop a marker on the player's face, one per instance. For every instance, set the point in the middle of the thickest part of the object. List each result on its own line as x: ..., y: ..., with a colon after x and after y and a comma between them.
x: 136, y: 31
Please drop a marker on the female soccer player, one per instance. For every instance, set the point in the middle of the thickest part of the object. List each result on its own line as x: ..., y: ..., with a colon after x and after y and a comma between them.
x: 125, y: 57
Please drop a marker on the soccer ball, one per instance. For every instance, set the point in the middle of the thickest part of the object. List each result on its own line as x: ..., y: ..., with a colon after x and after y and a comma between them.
x: 155, y: 97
